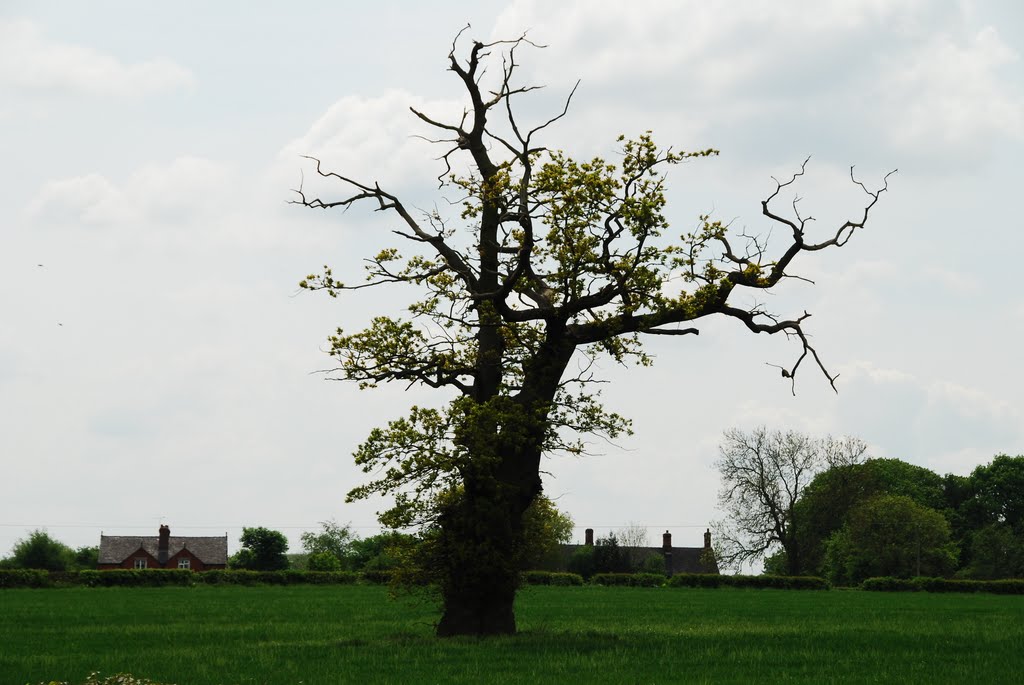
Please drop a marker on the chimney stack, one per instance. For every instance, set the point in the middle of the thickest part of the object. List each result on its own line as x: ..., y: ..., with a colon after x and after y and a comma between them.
x: 165, y: 537
x: 707, y: 539
x: 666, y: 540
x: 589, y: 542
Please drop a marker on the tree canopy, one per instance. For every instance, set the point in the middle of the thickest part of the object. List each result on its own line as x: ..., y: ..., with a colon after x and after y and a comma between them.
x: 890, y: 535
x: 548, y: 263
x: 262, y: 550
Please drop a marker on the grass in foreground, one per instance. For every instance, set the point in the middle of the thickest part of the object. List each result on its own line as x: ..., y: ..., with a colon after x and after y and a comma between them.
x: 308, y: 634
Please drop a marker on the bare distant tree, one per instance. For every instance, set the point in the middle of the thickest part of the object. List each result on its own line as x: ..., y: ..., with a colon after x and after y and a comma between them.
x: 632, y: 536
x: 763, y: 474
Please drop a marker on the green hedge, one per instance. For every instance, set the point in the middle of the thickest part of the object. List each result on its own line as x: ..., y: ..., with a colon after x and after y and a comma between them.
x: 757, y: 582
x: 124, y: 577
x: 377, y: 577
x: 19, y: 577
x: 16, y: 578
x: 628, y: 579
x: 551, y: 578
x: 889, y: 584
x: 277, y: 577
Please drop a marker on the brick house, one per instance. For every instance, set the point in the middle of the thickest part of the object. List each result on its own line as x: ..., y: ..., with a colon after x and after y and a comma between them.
x: 676, y: 559
x: 163, y: 551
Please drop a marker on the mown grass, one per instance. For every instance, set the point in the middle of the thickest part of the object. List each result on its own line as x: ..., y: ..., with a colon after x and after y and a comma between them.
x: 309, y: 634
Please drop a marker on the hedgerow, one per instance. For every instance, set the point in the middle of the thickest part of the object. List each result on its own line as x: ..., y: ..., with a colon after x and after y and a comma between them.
x: 628, y: 579
x: 757, y: 582
x: 998, y: 587
x: 551, y: 578
x: 23, y: 577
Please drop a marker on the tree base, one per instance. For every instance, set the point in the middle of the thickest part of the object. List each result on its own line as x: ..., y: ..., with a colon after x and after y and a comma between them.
x: 477, y: 618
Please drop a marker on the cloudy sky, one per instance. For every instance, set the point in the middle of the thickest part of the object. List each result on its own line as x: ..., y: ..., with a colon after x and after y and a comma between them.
x: 157, y: 363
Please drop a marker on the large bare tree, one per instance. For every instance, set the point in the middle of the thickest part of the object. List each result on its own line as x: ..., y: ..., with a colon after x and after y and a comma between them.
x: 548, y: 260
x: 764, y: 472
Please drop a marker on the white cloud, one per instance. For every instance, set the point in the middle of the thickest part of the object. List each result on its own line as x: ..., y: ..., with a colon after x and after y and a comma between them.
x: 947, y: 92
x: 171, y: 192
x: 31, y: 61
x: 376, y: 139
x: 934, y: 422
x: 924, y: 79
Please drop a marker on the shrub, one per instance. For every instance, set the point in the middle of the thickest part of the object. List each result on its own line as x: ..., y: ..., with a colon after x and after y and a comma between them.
x: 582, y: 562
x: 378, y: 577
x: 757, y: 582
x: 136, y: 578
x: 695, y: 580
x: 323, y: 561
x: 551, y: 578
x: 998, y: 587
x: 654, y: 563
x: 889, y: 584
x: 628, y: 579
x: 23, y: 577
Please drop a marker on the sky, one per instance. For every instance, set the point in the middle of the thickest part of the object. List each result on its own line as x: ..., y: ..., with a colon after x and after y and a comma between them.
x: 158, y: 363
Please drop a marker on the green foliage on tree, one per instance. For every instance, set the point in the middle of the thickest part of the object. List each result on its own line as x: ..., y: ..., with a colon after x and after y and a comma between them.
x: 548, y: 263
x: 323, y: 561
x: 890, y: 535
x: 384, y: 552
x: 332, y: 539
x: 996, y: 552
x: 545, y: 529
x: 262, y: 550
x: 997, y: 491
x: 825, y: 504
x: 87, y: 557
x: 40, y: 551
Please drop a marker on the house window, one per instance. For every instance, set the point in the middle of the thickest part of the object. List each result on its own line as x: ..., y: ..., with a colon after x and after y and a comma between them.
x: 141, y: 563
x: 184, y: 563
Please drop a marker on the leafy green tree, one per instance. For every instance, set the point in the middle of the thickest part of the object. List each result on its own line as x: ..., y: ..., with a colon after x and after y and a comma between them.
x: 997, y: 491
x: 262, y: 550
x: 383, y: 552
x: 825, y: 504
x: 610, y: 556
x: 550, y: 263
x: 87, y: 558
x: 333, y: 539
x: 996, y: 552
x: 323, y: 561
x: 40, y: 551
x: 582, y: 562
x: 890, y: 535
x: 545, y: 529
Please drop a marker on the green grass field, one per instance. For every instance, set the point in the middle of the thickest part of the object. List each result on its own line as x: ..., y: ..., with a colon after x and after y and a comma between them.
x: 340, y: 634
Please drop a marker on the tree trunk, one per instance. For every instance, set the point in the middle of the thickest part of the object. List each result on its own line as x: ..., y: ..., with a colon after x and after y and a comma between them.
x: 478, y: 551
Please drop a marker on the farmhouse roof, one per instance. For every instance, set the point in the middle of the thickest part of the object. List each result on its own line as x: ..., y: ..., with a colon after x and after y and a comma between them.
x: 210, y: 550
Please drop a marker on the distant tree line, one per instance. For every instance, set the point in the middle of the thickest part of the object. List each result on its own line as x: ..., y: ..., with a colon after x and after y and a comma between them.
x: 816, y: 507
x: 40, y: 551
x: 335, y: 547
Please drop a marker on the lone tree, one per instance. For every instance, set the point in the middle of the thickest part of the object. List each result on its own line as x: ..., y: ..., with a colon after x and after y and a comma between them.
x: 764, y: 473
x: 550, y: 263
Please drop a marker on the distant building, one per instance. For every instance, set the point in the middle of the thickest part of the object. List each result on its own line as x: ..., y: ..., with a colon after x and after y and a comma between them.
x: 676, y: 559
x: 163, y: 551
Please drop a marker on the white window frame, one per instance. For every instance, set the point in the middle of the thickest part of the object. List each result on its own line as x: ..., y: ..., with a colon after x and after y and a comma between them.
x: 141, y: 563
x: 185, y: 563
